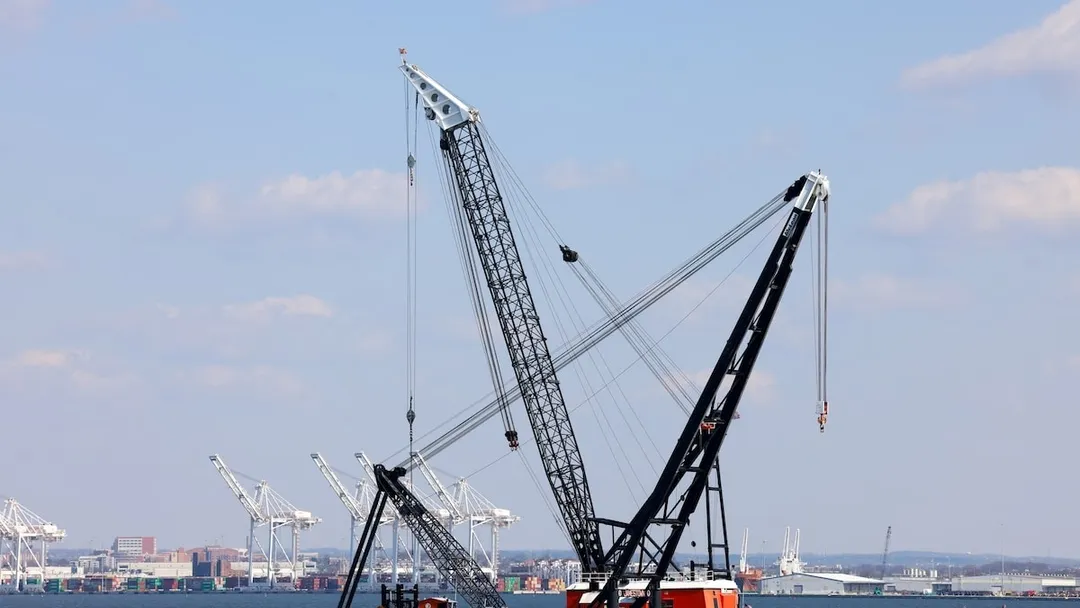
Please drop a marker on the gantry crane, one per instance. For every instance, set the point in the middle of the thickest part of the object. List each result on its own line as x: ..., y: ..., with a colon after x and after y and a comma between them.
x: 268, y: 508
x: 449, y: 556
x: 440, y: 513
x: 478, y: 194
x: 354, y: 503
x: 23, y: 529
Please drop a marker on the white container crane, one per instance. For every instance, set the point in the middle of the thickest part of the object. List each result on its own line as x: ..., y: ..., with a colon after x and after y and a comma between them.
x: 267, y: 508
x: 413, y: 548
x: 358, y: 504
x: 22, y: 529
x: 483, y: 512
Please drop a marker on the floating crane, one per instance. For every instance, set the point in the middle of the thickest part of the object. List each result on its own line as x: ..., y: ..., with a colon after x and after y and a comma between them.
x: 23, y: 529
x: 651, y: 538
x: 267, y: 508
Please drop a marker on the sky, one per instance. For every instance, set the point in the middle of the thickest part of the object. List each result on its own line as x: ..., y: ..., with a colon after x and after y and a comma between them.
x: 203, y: 252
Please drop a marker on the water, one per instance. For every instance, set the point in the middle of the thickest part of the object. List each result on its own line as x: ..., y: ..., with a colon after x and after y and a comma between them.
x: 329, y: 600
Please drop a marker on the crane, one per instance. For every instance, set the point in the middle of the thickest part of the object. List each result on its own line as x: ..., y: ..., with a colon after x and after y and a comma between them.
x: 440, y: 513
x: 266, y: 507
x: 450, y: 557
x: 354, y: 502
x: 479, y: 196
x: 885, y: 553
x: 651, y: 537
x: 481, y: 511
x: 24, y: 528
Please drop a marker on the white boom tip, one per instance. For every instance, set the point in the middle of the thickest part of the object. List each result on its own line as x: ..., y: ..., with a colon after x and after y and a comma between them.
x: 440, y: 104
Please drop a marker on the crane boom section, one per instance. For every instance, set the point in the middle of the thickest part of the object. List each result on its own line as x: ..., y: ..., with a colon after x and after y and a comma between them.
x: 652, y: 536
x: 339, y: 488
x: 465, y: 154
x: 450, y: 558
x: 249, y: 504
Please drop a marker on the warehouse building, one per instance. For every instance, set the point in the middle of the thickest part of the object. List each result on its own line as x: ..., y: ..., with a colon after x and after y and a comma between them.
x: 1012, y: 584
x: 820, y: 583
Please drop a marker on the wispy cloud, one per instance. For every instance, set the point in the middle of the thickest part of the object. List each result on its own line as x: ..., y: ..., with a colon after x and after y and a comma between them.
x: 1046, y: 197
x: 304, y: 305
x: 76, y: 369
x: 1051, y: 47
x: 367, y: 193
x: 23, y: 260
x: 573, y: 175
x: 258, y: 378
x: 47, y: 358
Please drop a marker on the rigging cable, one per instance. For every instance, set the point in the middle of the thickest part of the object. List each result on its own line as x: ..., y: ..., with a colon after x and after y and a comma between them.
x: 472, y: 273
x: 598, y: 332
x: 410, y: 258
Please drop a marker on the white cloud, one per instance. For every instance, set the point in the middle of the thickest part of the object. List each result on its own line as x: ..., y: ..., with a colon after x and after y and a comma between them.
x: 22, y: 260
x: 303, y: 305
x: 1051, y: 47
x: 1045, y: 197
x: 22, y: 14
x: 275, y: 381
x: 572, y: 175
x: 46, y: 358
x: 77, y: 369
x: 368, y: 192
x: 875, y: 292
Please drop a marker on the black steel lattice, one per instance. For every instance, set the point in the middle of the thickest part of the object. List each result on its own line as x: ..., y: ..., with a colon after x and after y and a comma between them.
x: 452, y: 560
x: 464, y: 151
x: 652, y: 536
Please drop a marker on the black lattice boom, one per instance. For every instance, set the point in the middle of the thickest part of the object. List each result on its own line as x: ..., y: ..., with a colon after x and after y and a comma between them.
x: 464, y: 151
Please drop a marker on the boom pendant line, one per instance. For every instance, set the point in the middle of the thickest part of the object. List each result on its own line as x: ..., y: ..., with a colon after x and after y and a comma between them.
x: 464, y: 152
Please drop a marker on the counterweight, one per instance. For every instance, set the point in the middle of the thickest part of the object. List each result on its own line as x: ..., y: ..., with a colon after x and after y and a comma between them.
x: 465, y: 154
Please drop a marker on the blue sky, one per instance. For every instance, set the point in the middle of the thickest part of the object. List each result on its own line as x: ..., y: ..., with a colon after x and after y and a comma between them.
x: 203, y: 252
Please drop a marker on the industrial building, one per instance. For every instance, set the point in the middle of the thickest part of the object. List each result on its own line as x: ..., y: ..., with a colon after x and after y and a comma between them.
x: 820, y: 583
x: 1013, y: 584
x: 134, y: 546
